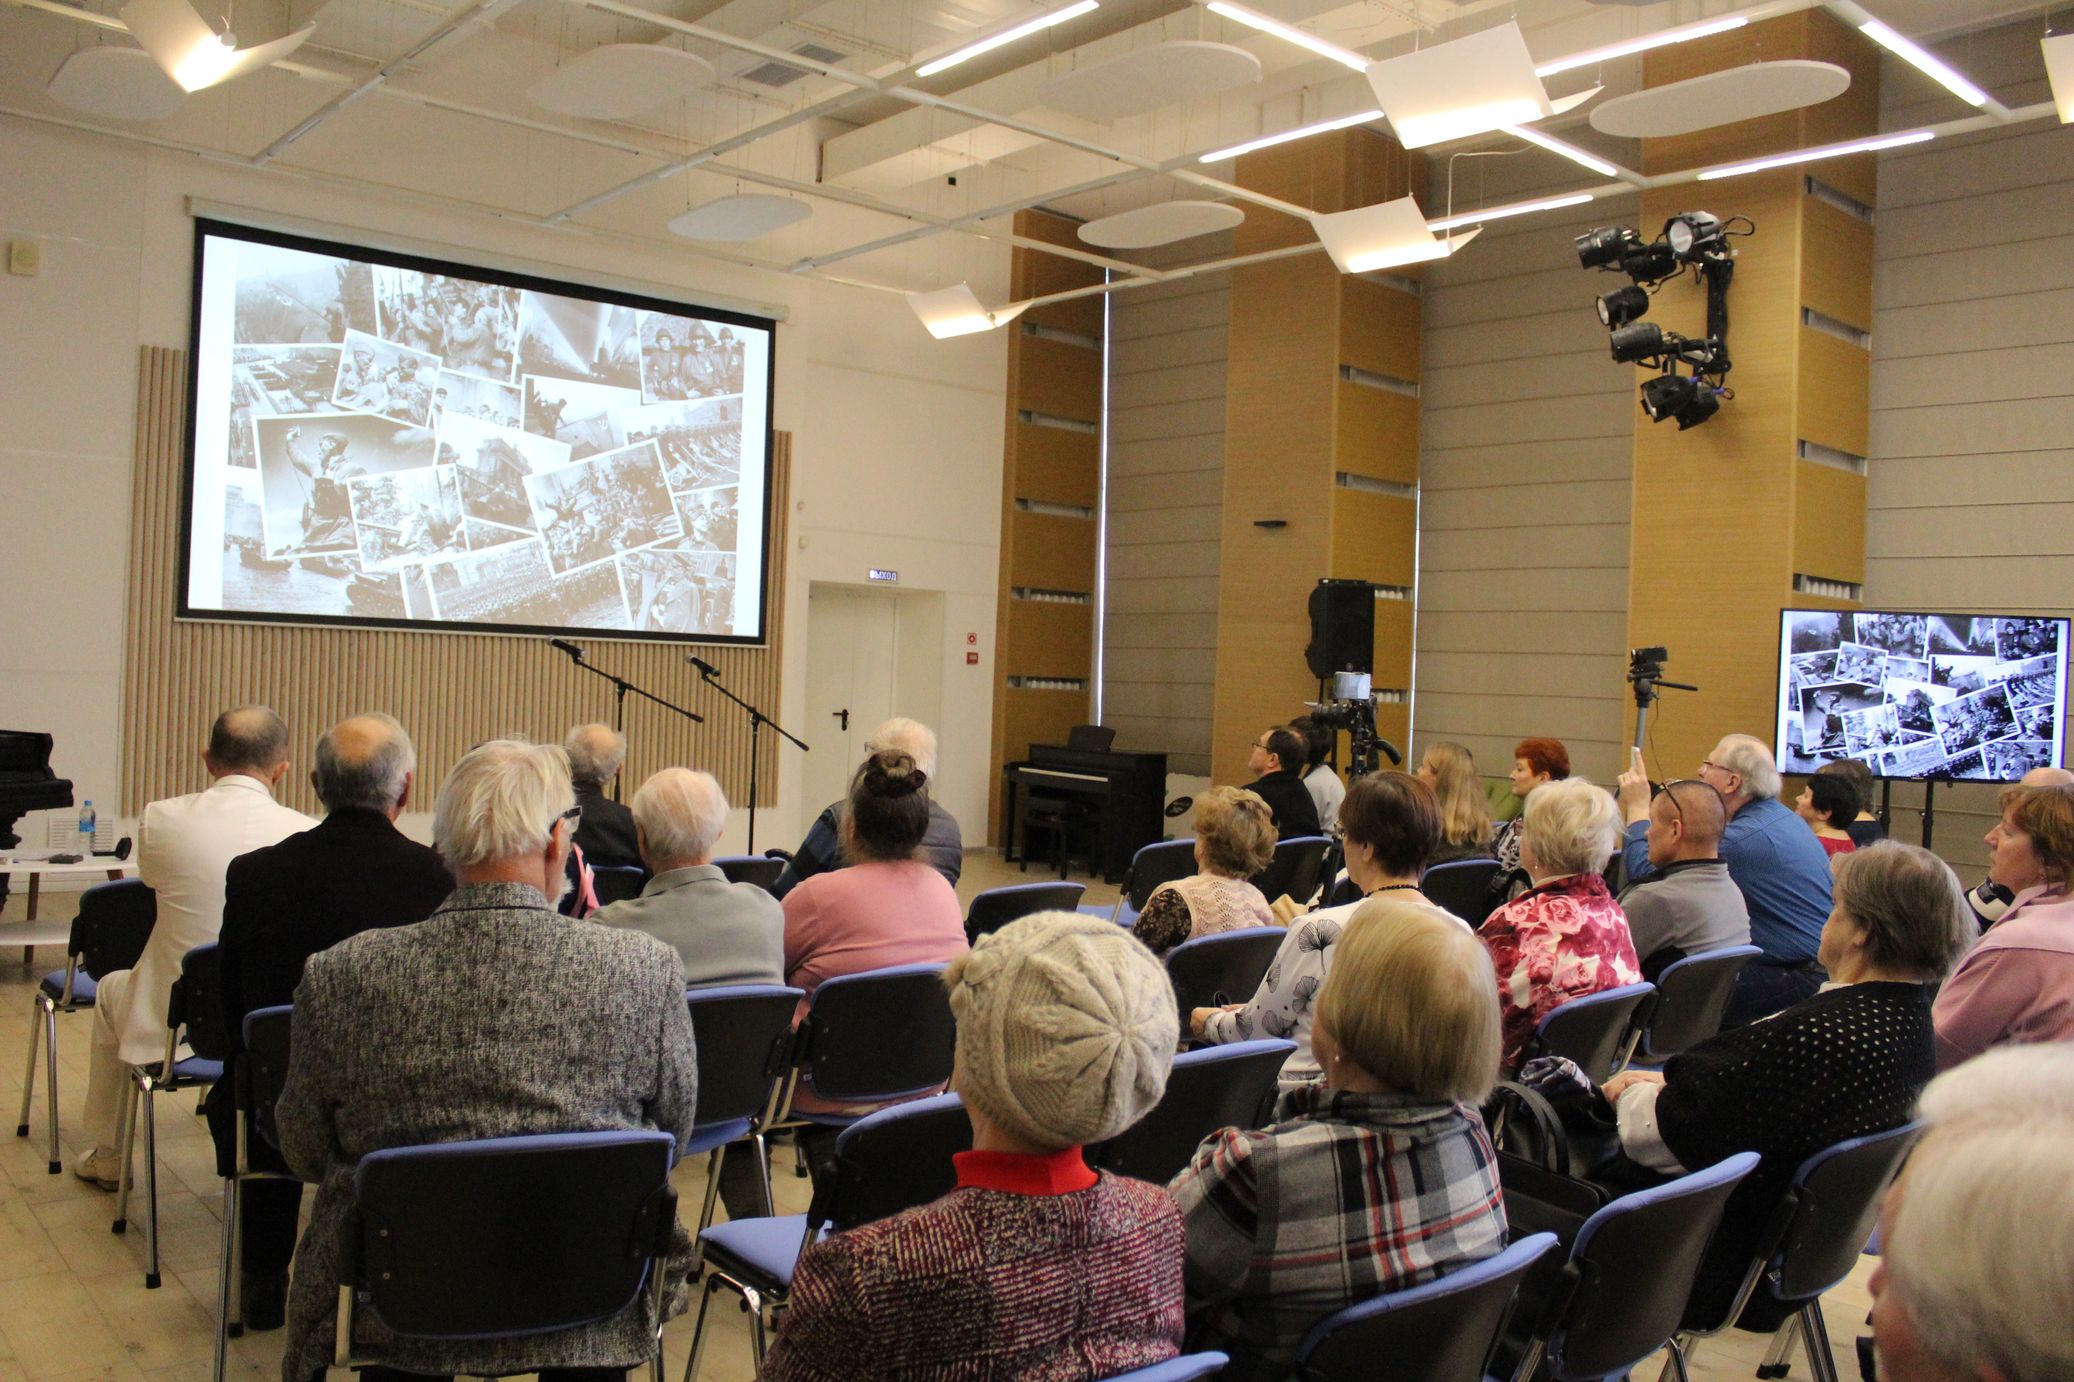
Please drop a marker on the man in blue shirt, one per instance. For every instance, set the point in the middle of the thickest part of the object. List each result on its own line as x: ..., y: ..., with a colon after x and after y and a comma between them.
x: 1773, y: 857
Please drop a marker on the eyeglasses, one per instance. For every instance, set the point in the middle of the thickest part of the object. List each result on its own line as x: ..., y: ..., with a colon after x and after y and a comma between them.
x: 1672, y: 796
x: 573, y: 815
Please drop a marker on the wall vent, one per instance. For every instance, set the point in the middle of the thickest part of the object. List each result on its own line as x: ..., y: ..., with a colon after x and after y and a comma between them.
x: 1369, y: 484
x: 1830, y: 326
x: 1841, y: 200
x: 1048, y: 683
x: 1831, y: 457
x: 1053, y: 333
x: 1827, y: 589
x: 1064, y: 424
x: 1045, y: 506
x: 1388, y: 383
x: 1051, y: 597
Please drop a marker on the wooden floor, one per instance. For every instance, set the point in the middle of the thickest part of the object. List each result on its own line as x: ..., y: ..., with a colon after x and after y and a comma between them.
x: 72, y: 1297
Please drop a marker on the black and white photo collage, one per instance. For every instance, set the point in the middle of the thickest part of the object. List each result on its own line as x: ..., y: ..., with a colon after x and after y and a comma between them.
x: 1922, y: 695
x: 409, y: 445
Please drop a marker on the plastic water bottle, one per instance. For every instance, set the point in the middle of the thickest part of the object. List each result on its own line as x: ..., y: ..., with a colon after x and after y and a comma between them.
x: 86, y: 827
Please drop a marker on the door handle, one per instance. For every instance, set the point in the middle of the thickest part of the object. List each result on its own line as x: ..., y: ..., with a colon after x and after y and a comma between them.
x: 844, y: 716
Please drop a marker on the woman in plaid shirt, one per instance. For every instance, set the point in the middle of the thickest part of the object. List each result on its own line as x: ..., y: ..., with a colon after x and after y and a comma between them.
x: 1378, y: 1178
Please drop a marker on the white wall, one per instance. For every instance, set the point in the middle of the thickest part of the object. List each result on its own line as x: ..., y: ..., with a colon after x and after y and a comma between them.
x: 897, y: 438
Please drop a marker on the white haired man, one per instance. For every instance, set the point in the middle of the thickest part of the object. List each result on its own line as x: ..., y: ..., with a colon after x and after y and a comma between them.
x: 606, y: 834
x: 184, y: 848
x: 1773, y: 857
x: 943, y: 848
x: 520, y: 1022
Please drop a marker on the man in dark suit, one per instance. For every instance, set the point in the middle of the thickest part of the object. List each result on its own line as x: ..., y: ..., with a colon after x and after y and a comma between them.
x: 1277, y: 759
x: 282, y: 904
x: 606, y: 832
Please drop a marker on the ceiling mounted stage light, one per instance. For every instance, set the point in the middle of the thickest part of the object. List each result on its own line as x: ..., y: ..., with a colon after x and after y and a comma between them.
x: 956, y: 311
x: 1466, y: 86
x: 1384, y: 236
x: 1693, y: 232
x: 194, y: 55
x: 1689, y: 402
x: 1605, y: 247
x: 1623, y: 305
x: 1637, y: 341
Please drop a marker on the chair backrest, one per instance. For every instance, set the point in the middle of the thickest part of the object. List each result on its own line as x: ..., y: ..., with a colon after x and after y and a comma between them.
x: 1634, y: 1262
x: 1186, y: 1368
x: 1216, y: 1087
x: 197, y: 1003
x: 1462, y: 887
x: 879, y: 1035
x: 893, y: 1160
x: 1591, y: 1030
x: 1168, y: 861
x: 433, y: 1245
x: 617, y: 882
x: 743, y: 1033
x: 751, y: 868
x: 1440, y: 1331
x: 1691, y: 996
x: 1837, y: 1202
x: 113, y: 925
x: 263, y: 1066
x: 996, y: 907
x: 1231, y: 963
x: 1092, y: 738
x: 1295, y: 868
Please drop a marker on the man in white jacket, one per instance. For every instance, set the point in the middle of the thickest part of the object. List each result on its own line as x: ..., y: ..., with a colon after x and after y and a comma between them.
x: 185, y: 845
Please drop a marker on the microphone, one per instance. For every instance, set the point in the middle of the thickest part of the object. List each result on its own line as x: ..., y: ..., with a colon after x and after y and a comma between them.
x: 706, y: 668
x: 566, y: 646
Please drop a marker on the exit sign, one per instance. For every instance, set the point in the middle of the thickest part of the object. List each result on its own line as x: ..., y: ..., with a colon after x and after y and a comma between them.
x: 877, y: 574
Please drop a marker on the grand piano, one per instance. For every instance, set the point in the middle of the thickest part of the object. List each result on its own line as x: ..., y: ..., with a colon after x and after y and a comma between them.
x: 26, y: 781
x: 1124, y: 793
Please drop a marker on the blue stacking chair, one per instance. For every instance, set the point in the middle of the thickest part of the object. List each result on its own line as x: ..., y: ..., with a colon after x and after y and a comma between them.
x: 1622, y: 1294
x: 194, y: 1013
x: 1230, y: 963
x: 1296, y: 870
x: 1186, y: 1368
x: 872, y: 1038
x: 1165, y: 861
x: 996, y: 907
x: 1691, y: 996
x: 1439, y: 1331
x: 433, y: 1246
x: 109, y: 934
x: 1462, y: 887
x: 1216, y: 1087
x: 885, y: 1162
x: 1592, y: 1030
x: 617, y: 882
x: 256, y: 1073
x: 744, y: 1038
x: 751, y: 868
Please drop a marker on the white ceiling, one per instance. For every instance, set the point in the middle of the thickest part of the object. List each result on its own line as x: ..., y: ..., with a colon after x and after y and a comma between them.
x: 441, y: 111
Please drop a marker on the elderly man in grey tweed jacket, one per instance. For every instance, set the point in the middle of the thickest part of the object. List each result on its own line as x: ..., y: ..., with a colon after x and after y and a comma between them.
x: 494, y: 1017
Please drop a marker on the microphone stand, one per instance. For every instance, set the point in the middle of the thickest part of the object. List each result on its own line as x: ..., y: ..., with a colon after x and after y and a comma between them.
x: 710, y: 674
x: 620, y: 687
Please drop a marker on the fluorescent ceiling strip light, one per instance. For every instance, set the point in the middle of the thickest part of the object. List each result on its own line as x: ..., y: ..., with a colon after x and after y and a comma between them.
x: 1499, y: 213
x: 1859, y: 146
x: 1290, y: 34
x: 1300, y: 132
x: 1570, y: 151
x: 1417, y: 131
x: 1639, y: 45
x: 1006, y: 36
x: 1925, y: 62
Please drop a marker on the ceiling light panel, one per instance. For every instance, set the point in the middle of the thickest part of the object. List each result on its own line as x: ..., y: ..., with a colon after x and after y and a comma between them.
x: 1856, y: 146
x: 1685, y: 33
x: 1268, y: 141
x: 1924, y: 61
x: 1289, y: 33
x: 1006, y: 36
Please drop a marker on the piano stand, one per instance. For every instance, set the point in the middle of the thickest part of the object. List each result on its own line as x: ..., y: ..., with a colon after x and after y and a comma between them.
x: 1061, y: 820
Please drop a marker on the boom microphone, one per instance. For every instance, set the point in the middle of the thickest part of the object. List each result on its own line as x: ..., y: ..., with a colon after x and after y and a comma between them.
x: 706, y: 669
x: 566, y: 646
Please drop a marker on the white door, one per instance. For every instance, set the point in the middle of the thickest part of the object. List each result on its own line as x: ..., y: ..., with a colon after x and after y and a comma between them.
x: 853, y: 639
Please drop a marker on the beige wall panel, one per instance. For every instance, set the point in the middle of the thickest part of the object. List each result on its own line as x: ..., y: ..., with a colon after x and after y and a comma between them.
x: 1179, y: 523
x: 1164, y: 561
x: 1375, y: 537
x: 1378, y: 434
x: 1184, y: 460
x: 1602, y: 630
x: 1554, y: 544
x: 1202, y: 417
x: 1836, y: 264
x: 2030, y: 319
x: 1150, y: 385
x: 1204, y: 306
x: 1999, y: 531
x: 1562, y: 291
x: 1571, y: 327
x: 1525, y: 506
x: 1556, y: 672
x: 1169, y: 595
x: 1551, y: 590
x: 1200, y: 345
x: 1984, y: 482
x: 1555, y: 460
x: 1468, y: 423
x: 1057, y: 466
x: 1158, y: 700
x: 2027, y: 376
x: 1081, y: 316
x: 1828, y: 523
x: 1835, y: 377
x: 1971, y: 224
x: 449, y: 690
x: 1162, y: 633
x: 1058, y: 379
x: 1557, y: 375
x: 2025, y: 158
x: 1048, y: 640
x: 1053, y: 553
x: 1379, y: 329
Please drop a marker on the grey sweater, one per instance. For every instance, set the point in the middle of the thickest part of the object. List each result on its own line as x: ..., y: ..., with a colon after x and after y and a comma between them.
x: 1692, y: 905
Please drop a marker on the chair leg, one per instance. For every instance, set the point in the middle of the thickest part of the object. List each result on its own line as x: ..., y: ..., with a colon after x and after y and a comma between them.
x: 21, y: 1127
x: 223, y: 1271
x: 1815, y: 1333
x: 763, y: 1170
x: 1678, y: 1358
x: 698, y: 1330
x: 50, y: 1084
x: 1778, y: 1359
x: 1677, y: 1352
x: 151, y: 1278
x: 236, y: 1326
x: 128, y: 1119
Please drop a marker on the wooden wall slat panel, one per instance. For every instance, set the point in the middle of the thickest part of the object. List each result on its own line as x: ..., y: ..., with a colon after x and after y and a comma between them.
x: 449, y: 690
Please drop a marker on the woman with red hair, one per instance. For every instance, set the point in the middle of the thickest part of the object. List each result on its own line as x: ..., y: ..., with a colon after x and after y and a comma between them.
x: 1535, y: 763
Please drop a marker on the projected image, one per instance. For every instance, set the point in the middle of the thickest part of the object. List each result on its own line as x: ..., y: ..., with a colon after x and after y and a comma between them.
x: 1921, y: 695
x: 380, y: 438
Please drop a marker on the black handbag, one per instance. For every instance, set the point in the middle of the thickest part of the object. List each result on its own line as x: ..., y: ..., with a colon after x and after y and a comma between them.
x: 1537, y: 1168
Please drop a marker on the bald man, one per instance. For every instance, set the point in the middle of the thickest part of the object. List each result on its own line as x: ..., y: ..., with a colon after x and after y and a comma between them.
x: 1989, y: 900
x: 1689, y: 904
x: 282, y: 904
x: 605, y: 833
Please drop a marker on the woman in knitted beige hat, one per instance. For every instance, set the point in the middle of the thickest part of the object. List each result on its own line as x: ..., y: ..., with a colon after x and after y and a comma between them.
x: 1035, y: 1265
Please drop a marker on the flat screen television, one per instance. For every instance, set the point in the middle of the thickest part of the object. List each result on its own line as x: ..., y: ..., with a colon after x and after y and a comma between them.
x: 1967, y: 697
x: 382, y: 439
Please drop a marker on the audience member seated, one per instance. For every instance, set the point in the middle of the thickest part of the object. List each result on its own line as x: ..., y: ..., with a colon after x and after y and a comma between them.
x: 605, y: 833
x: 1465, y: 813
x: 1772, y: 856
x: 1977, y: 1234
x: 1989, y: 899
x: 495, y: 1017
x: 2017, y: 984
x: 1277, y: 761
x: 184, y: 846
x: 942, y: 845
x: 1320, y: 779
x: 1234, y: 839
x: 1865, y: 827
x: 1379, y: 1178
x: 1035, y: 1266
x: 1535, y: 763
x: 282, y: 904
x: 1828, y: 805
x: 1846, y: 1062
x: 1688, y: 904
x: 1391, y: 823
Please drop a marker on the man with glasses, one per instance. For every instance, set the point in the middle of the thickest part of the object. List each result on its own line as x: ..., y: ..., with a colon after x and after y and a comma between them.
x: 1277, y: 761
x: 1775, y: 860
x: 1689, y: 904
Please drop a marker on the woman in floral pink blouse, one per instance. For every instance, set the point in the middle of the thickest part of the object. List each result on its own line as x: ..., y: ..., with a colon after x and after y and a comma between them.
x: 1565, y: 937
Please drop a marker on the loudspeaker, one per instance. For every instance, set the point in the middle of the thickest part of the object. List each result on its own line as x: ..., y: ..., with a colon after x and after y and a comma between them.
x: 1342, y: 628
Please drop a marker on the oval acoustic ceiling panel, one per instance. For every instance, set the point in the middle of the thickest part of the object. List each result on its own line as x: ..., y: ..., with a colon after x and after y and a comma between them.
x: 116, y: 84
x: 1721, y: 98
x: 1160, y: 224
x: 747, y: 216
x: 1160, y: 74
x: 621, y: 80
